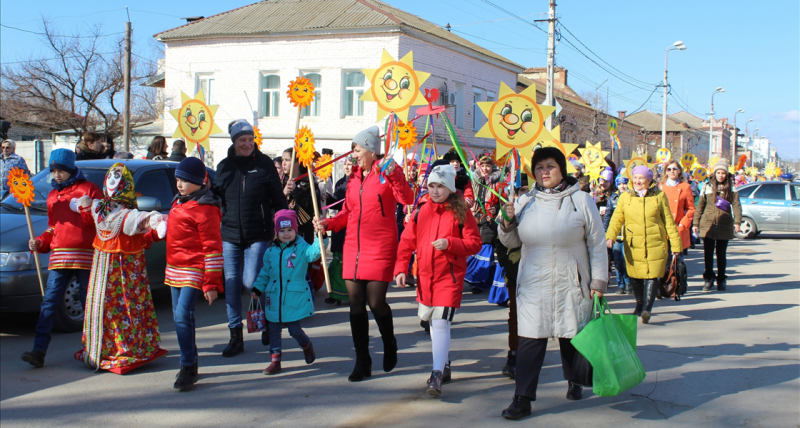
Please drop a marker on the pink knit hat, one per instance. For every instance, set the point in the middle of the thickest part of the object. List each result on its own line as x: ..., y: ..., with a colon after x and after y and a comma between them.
x: 285, y: 218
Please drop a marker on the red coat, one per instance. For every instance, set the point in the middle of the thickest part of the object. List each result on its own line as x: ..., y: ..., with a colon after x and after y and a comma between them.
x: 194, y: 246
x: 440, y: 273
x: 68, y: 238
x: 368, y: 213
x: 681, y: 204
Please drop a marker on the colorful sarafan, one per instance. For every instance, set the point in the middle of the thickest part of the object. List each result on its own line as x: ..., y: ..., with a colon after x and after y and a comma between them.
x: 195, y: 120
x: 19, y: 184
x: 395, y: 85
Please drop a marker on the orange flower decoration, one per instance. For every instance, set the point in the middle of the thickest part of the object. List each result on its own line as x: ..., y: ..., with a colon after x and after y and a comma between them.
x: 20, y: 186
x: 301, y: 92
x: 304, y: 146
x: 325, y: 172
x: 408, y: 135
x: 258, y: 139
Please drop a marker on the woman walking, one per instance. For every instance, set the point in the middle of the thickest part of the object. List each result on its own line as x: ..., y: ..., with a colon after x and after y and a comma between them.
x: 719, y: 214
x: 563, y: 264
x: 370, y: 247
x: 644, y: 213
x: 681, y: 201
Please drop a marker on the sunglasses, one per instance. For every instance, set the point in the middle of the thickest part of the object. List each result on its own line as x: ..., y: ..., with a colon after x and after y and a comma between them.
x: 673, y: 169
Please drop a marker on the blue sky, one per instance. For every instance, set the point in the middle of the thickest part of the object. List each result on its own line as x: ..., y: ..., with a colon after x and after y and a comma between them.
x: 752, y: 49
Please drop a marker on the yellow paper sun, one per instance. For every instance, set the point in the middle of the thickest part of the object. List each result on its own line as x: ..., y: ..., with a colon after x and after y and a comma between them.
x: 594, y: 158
x: 515, y: 121
x: 407, y: 138
x: 20, y: 186
x: 325, y: 172
x: 752, y: 171
x: 713, y: 161
x: 565, y: 148
x: 195, y: 120
x: 301, y: 92
x: 395, y: 86
x: 304, y: 146
x: 632, y: 163
x: 258, y: 139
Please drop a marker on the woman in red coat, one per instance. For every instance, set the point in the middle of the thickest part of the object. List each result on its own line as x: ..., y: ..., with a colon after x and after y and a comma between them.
x: 681, y: 200
x: 370, y: 247
x: 444, y: 233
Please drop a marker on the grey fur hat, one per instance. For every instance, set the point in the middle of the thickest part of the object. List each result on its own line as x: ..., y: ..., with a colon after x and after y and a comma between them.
x: 369, y: 139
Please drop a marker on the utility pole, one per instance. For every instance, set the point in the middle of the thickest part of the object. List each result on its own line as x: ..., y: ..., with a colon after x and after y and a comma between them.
x: 126, y: 121
x: 551, y: 59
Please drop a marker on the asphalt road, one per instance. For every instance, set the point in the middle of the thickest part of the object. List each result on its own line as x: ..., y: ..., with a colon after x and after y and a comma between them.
x: 712, y: 359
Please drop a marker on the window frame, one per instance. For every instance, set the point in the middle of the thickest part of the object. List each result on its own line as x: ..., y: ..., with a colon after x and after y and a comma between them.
x: 269, y: 92
x: 476, y: 114
x: 208, y: 91
x: 770, y: 186
x: 356, y: 102
x: 315, y: 106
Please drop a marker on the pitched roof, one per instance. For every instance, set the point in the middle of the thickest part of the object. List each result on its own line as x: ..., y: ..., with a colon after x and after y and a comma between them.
x: 688, y: 118
x: 281, y: 16
x: 652, y: 122
x: 561, y: 91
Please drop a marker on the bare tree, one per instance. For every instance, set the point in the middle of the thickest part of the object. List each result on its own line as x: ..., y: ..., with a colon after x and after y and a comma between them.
x: 77, y: 84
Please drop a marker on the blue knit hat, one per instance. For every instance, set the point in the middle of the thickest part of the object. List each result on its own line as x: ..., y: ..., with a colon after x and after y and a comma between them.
x: 192, y: 170
x: 63, y: 159
x: 240, y: 127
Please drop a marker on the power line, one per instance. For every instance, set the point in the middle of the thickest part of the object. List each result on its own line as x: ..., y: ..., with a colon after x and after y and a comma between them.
x: 59, y: 35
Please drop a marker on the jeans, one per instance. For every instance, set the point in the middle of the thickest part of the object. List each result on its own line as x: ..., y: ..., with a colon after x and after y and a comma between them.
x: 618, y: 250
x: 183, y: 301
x: 242, y: 265
x: 57, y: 282
x: 295, y: 330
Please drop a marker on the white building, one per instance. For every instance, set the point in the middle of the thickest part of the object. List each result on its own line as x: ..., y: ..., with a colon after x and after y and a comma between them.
x: 244, y: 59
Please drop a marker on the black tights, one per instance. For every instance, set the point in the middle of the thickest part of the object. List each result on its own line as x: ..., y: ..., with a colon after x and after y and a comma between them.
x: 359, y: 291
x: 722, y: 260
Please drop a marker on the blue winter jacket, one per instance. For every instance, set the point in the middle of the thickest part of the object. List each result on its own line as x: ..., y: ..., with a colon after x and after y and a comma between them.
x: 283, y: 280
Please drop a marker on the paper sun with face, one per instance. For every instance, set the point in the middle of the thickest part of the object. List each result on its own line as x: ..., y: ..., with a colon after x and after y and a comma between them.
x: 594, y: 158
x: 19, y: 184
x: 304, y: 146
x: 566, y: 148
x: 195, y: 120
x: 395, y: 86
x: 632, y: 163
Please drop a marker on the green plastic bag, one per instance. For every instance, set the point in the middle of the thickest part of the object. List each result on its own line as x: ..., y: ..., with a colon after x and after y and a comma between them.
x: 609, y: 343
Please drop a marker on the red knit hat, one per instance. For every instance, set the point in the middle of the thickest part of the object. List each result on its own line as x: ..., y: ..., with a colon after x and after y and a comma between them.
x: 285, y: 218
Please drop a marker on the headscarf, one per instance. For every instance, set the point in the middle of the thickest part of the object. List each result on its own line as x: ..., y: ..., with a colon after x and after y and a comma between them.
x: 123, y: 195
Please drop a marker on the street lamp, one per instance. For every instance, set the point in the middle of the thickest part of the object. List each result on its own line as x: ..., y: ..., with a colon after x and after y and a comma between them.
x: 749, y: 140
x: 752, y: 136
x: 711, y: 124
x: 675, y: 46
x: 735, y: 137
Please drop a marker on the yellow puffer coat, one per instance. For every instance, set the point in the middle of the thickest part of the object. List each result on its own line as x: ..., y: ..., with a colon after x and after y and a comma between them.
x: 647, y: 221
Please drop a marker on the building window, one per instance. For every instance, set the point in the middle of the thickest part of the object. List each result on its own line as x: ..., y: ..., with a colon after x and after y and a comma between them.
x: 206, y: 83
x: 270, y: 95
x: 459, y: 105
x: 354, y: 83
x: 313, y: 109
x: 476, y: 114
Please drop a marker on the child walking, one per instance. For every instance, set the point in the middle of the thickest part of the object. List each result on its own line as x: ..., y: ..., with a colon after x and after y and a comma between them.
x: 194, y: 258
x: 69, y: 243
x: 443, y: 233
x: 283, y: 280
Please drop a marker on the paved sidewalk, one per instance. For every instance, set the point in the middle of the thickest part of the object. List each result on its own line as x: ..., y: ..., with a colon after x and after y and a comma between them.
x: 712, y: 360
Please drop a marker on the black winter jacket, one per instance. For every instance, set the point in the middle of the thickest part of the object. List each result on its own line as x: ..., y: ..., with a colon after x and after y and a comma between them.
x: 337, y: 238
x: 251, y: 192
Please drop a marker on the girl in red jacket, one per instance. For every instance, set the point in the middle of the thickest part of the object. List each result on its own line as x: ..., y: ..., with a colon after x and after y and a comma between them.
x: 444, y: 234
x: 69, y: 243
x: 194, y: 258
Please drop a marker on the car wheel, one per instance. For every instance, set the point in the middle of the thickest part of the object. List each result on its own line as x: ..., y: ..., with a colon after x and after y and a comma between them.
x: 747, y: 229
x: 69, y: 315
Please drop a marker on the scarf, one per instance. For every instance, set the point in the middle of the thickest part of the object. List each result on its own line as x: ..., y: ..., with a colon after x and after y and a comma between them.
x: 123, y: 195
x: 203, y: 196
x: 641, y: 192
x: 75, y: 177
x: 558, y: 189
x: 672, y: 183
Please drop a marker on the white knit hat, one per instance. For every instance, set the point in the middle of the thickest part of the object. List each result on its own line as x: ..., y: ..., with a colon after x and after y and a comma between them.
x: 444, y: 175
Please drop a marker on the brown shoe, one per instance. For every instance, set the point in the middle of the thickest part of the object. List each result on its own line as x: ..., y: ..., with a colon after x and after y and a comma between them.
x: 275, y: 366
x: 308, y: 352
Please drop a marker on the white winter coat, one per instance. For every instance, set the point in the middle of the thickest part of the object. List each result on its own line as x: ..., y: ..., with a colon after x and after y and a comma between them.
x: 563, y: 256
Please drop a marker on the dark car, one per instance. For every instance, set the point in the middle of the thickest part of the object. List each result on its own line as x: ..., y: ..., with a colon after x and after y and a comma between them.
x: 769, y: 206
x: 154, y: 183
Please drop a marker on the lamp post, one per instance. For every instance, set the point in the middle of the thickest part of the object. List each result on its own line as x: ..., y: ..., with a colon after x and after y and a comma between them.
x: 752, y: 137
x: 735, y: 137
x: 675, y: 46
x: 711, y: 124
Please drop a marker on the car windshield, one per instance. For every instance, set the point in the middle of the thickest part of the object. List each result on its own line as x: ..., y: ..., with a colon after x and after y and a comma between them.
x: 42, y: 187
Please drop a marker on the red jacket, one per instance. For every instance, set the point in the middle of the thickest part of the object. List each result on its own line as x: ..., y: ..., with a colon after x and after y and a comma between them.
x: 194, y: 245
x: 441, y: 273
x: 68, y: 238
x: 368, y: 213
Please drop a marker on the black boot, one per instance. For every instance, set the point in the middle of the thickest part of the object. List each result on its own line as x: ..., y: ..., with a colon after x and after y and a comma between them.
x: 236, y: 344
x: 186, y: 378
x: 638, y: 293
x: 651, y: 289
x: 709, y: 284
x: 386, y: 327
x: 510, y: 369
x: 359, y: 326
x: 519, y: 408
x: 34, y: 358
x: 425, y: 326
x: 574, y: 391
x: 447, y: 374
x: 721, y: 282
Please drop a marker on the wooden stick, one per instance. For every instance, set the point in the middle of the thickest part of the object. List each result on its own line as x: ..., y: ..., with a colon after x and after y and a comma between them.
x: 311, y: 180
x: 294, y: 150
x: 35, y: 253
x: 406, y: 170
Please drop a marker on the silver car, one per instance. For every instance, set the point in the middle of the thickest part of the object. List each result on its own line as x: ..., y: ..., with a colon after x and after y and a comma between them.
x: 769, y: 206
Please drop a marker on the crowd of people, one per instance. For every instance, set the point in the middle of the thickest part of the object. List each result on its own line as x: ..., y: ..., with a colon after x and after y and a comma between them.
x: 544, y: 250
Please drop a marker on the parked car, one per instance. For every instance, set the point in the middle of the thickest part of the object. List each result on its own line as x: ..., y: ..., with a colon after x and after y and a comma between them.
x: 154, y: 183
x: 769, y: 206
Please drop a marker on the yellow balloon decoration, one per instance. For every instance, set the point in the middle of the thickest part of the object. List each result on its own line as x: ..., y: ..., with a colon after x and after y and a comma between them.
x: 195, y: 120
x: 395, y: 86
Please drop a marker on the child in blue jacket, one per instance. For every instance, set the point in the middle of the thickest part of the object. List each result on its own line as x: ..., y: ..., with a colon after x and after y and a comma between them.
x: 283, y: 280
